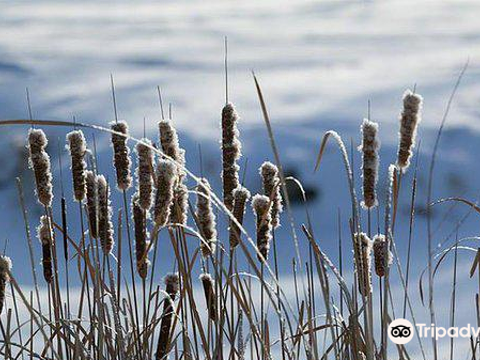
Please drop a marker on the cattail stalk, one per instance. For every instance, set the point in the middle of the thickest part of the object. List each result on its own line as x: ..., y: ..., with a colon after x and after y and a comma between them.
x: 209, y: 290
x: 166, y: 176
x: 271, y: 188
x: 92, y: 203
x: 141, y: 236
x: 171, y: 145
x: 179, y: 207
x: 105, y: 226
x: 231, y: 152
x: 78, y: 148
x: 370, y: 160
x: 382, y: 256
x: 206, y: 219
x: 240, y: 198
x: 45, y: 236
x: 145, y: 173
x: 39, y: 161
x: 262, y: 208
x: 172, y: 283
x: 409, y: 120
x: 363, y: 256
x: 5, y: 268
x: 121, y: 155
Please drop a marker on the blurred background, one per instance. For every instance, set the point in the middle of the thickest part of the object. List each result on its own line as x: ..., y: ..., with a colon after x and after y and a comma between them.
x: 318, y: 62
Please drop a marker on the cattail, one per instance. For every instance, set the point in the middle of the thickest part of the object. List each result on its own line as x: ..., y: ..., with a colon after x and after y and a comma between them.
x: 105, y: 226
x: 240, y: 198
x: 166, y: 176
x: 262, y: 208
x: 45, y: 235
x: 206, y: 219
x: 209, y: 289
x: 145, y: 173
x: 271, y: 188
x: 5, y: 268
x: 92, y: 203
x: 172, y: 283
x: 78, y: 148
x: 382, y: 256
x: 141, y: 236
x: 121, y: 155
x: 171, y: 145
x: 179, y: 207
x: 363, y: 256
x: 369, y: 149
x: 409, y: 120
x: 39, y: 161
x: 231, y: 152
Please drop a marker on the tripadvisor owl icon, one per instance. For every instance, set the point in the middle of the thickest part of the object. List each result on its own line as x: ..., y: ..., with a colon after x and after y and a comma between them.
x: 400, y: 331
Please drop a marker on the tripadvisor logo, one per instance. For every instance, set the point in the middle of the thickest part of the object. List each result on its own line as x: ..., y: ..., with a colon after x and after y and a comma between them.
x: 401, y: 331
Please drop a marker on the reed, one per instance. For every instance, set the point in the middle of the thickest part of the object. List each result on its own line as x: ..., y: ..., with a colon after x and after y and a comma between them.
x: 145, y: 173
x: 370, y: 163
x: 262, y: 205
x: 105, y: 225
x: 240, y: 198
x: 166, y: 177
x: 78, y: 148
x: 206, y: 219
x: 45, y: 235
x: 5, y: 269
x: 39, y: 161
x: 121, y: 154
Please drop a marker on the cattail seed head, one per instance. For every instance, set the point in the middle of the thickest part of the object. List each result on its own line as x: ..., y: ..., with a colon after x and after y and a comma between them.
x: 179, y: 207
x: 105, y: 226
x: 5, y: 268
x: 271, y: 188
x: 382, y: 256
x: 370, y: 159
x: 171, y: 146
x: 363, y: 259
x: 206, y: 219
x: 209, y: 290
x: 262, y: 205
x: 92, y: 203
x: 166, y: 177
x: 172, y: 285
x: 240, y: 198
x: 145, y: 173
x: 78, y: 148
x: 121, y: 155
x: 231, y: 152
x: 39, y: 161
x: 141, y: 237
x: 409, y: 120
x: 45, y: 235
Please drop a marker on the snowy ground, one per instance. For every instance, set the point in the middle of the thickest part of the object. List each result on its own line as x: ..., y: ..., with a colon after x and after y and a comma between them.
x: 318, y: 62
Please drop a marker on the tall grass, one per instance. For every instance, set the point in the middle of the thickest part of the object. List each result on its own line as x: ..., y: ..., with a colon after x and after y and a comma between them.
x: 235, y: 309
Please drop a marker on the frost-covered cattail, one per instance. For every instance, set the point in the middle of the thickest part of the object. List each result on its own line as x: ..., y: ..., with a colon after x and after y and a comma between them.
x: 5, y: 268
x: 209, y: 290
x: 45, y: 235
x: 78, y: 148
x: 105, y: 226
x: 409, y: 120
x: 369, y: 148
x: 92, y: 203
x: 179, y: 207
x: 261, y: 205
x: 231, y: 152
x: 171, y: 145
x: 206, y: 219
x: 382, y: 256
x: 141, y: 236
x: 39, y: 161
x: 145, y: 173
x: 271, y: 188
x: 363, y: 259
x: 172, y: 284
x: 121, y: 155
x: 240, y: 198
x: 166, y: 176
